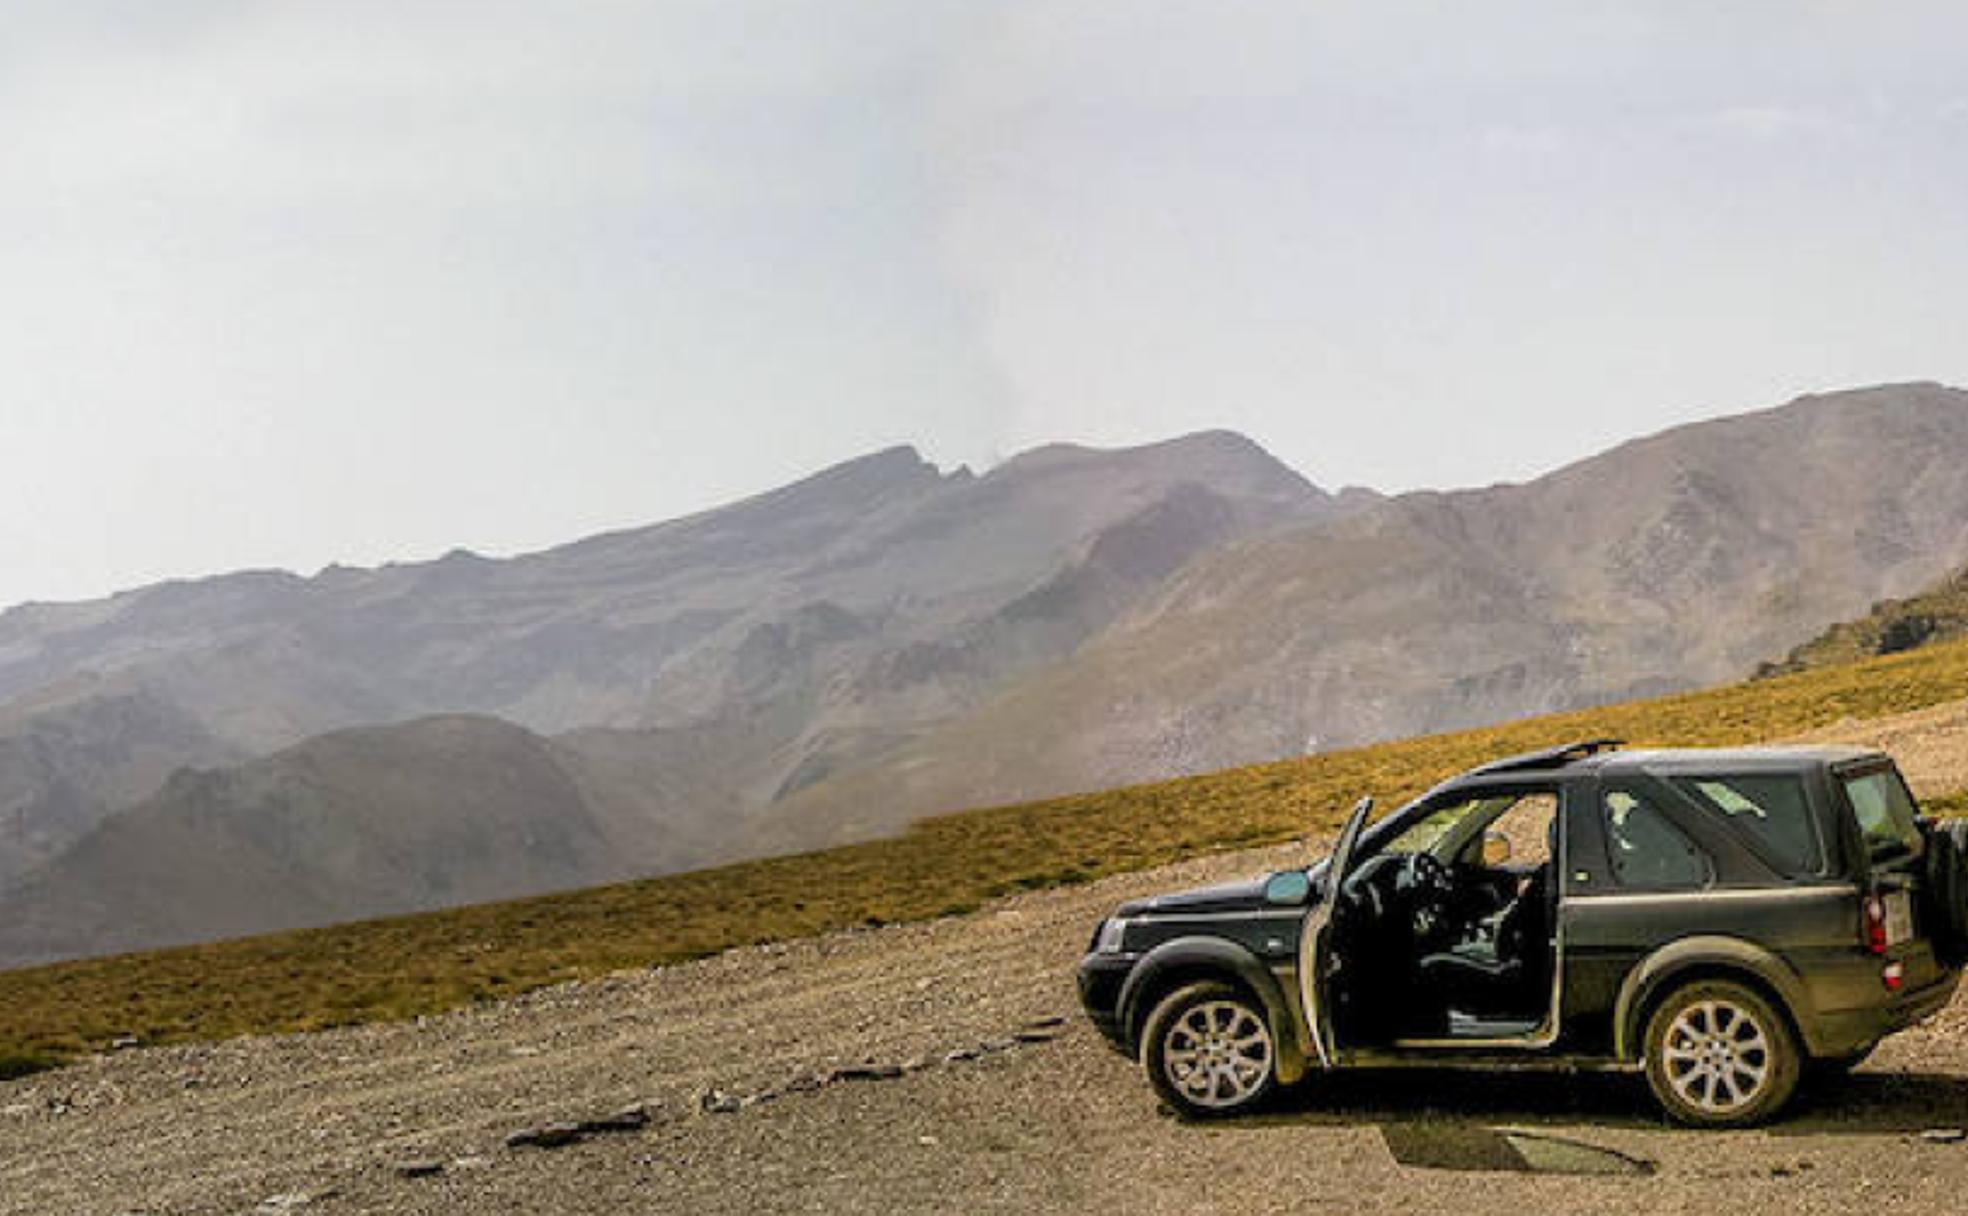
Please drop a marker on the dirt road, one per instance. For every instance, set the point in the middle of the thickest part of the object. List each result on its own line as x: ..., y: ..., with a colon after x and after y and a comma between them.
x: 330, y: 1123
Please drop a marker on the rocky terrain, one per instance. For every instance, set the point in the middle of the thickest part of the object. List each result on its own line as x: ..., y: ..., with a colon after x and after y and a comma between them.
x: 1938, y: 614
x: 923, y: 1068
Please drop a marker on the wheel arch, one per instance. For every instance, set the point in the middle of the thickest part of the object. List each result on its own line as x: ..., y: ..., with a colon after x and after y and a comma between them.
x: 1188, y: 960
x: 1709, y: 957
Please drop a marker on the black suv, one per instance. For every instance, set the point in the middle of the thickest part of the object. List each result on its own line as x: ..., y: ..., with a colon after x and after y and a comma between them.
x: 1725, y: 921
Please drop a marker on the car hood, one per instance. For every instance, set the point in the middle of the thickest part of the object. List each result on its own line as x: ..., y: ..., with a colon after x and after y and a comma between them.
x: 1224, y: 897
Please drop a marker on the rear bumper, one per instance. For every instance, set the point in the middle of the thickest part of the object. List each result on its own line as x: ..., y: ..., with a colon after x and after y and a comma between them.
x: 1844, y: 1032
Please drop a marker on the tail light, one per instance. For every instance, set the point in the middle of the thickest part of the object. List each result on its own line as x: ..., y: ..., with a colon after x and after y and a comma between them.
x: 1875, y: 924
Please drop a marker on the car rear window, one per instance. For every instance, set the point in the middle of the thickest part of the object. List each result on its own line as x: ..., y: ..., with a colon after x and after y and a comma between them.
x: 1771, y: 809
x: 1885, y: 811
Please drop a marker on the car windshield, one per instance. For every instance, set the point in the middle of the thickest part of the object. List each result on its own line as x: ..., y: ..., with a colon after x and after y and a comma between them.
x: 1450, y: 827
x: 1885, y: 812
x: 1427, y: 832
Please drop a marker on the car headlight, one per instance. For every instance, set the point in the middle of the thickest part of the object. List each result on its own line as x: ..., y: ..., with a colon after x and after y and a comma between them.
x: 1111, y: 933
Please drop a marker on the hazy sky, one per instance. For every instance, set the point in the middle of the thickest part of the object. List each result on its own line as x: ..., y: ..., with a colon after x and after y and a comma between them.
x: 284, y: 284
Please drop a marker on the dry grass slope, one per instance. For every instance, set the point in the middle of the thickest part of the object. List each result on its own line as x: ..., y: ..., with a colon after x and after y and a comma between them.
x: 418, y: 964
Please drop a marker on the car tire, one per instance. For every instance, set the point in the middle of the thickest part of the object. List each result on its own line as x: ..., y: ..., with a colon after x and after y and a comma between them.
x: 1209, y: 1052
x: 1719, y: 1054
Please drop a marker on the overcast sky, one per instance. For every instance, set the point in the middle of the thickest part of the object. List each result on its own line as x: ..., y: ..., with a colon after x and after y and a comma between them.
x: 283, y: 284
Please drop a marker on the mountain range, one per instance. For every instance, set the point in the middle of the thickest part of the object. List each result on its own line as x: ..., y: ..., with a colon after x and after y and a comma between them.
x: 886, y: 640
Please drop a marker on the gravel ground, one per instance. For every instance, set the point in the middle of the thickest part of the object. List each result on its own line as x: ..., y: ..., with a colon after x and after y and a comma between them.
x: 1050, y: 1121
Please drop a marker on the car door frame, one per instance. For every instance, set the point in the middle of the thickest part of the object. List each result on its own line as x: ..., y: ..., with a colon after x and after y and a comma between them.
x: 1315, y: 938
x: 1315, y: 962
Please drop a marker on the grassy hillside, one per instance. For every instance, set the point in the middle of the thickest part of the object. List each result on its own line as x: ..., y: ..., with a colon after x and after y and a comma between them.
x: 419, y: 964
x: 1939, y: 614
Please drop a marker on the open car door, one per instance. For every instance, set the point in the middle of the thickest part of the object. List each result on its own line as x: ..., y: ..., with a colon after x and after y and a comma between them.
x: 1315, y: 953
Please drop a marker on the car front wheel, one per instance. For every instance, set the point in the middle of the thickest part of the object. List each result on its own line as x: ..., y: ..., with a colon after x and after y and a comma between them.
x: 1208, y: 1051
x: 1720, y: 1055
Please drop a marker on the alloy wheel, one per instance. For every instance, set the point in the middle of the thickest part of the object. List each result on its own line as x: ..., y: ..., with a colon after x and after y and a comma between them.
x: 1717, y: 1056
x: 1217, y: 1053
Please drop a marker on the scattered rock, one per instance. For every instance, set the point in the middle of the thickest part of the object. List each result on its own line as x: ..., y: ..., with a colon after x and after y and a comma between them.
x: 807, y: 1082
x: 291, y: 1201
x: 718, y: 1102
x: 993, y: 1046
x: 1944, y: 1135
x: 419, y: 1169
x: 869, y: 1072
x: 628, y: 1119
x: 1049, y: 1022
x: 1035, y: 1036
x: 961, y: 1054
x: 552, y: 1135
x: 125, y: 1042
x: 927, y: 1141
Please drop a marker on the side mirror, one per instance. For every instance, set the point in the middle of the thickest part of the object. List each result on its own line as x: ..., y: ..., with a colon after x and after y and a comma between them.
x: 1496, y: 849
x: 1287, y: 887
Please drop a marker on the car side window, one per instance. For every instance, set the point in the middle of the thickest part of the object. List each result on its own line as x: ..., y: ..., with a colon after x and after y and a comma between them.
x: 1646, y: 850
x: 1771, y: 809
x: 1527, y: 825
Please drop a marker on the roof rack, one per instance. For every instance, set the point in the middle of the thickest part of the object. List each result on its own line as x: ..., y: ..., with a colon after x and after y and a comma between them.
x: 1550, y: 757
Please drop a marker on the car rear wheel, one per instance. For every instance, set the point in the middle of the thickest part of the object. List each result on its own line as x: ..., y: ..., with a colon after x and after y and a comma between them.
x: 1720, y: 1055
x: 1208, y: 1051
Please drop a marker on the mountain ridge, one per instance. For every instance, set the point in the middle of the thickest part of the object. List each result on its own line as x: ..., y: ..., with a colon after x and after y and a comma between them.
x: 900, y: 641
x: 1572, y: 589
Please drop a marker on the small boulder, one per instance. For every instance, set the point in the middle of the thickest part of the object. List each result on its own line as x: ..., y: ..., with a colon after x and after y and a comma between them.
x: 628, y: 1119
x: 551, y: 1135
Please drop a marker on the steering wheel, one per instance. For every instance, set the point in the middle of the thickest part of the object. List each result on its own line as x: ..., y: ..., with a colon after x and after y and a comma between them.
x: 1430, y: 889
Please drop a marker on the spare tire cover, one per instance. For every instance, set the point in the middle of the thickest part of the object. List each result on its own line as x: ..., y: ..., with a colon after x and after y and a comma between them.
x: 1946, y: 885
